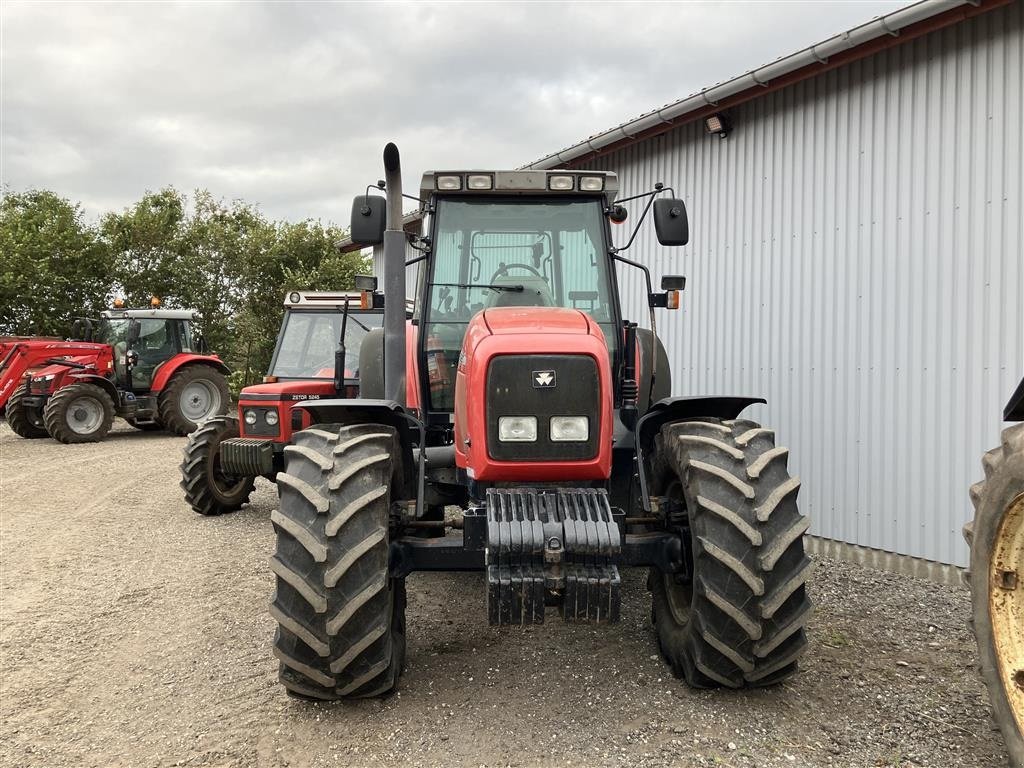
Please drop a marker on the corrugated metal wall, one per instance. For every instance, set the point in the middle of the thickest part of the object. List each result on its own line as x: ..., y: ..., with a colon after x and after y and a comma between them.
x: 856, y: 258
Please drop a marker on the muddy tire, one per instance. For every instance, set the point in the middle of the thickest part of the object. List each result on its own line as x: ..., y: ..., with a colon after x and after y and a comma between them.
x: 193, y: 395
x: 208, y: 489
x: 79, y: 413
x: 25, y: 422
x: 996, y: 580
x: 741, y: 620
x: 341, y: 619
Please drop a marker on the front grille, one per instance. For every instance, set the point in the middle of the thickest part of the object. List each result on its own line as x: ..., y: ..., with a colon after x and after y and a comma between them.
x: 519, y: 385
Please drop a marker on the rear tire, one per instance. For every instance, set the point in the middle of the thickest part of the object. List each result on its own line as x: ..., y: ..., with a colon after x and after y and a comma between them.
x: 25, y: 422
x: 996, y: 539
x: 79, y: 413
x: 740, y: 621
x: 208, y: 489
x: 194, y: 394
x: 341, y: 618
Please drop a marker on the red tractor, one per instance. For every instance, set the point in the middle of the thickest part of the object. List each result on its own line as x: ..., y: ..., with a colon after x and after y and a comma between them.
x: 317, y: 356
x: 140, y: 364
x: 520, y: 426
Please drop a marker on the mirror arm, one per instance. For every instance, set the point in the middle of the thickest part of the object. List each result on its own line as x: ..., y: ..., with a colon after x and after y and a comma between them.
x: 650, y: 312
x: 636, y: 229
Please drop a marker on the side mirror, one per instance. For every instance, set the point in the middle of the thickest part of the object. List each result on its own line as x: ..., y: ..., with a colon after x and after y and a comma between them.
x: 366, y: 283
x: 670, y: 221
x: 369, y: 216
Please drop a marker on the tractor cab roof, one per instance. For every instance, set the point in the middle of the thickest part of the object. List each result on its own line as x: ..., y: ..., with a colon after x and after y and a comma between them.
x: 332, y: 300
x: 148, y: 314
x: 324, y: 299
x: 554, y: 182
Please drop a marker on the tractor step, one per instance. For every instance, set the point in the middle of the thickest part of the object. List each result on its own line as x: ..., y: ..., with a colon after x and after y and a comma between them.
x: 552, y: 547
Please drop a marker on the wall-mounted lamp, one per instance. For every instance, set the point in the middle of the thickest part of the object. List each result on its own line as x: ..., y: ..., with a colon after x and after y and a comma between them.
x: 718, y: 124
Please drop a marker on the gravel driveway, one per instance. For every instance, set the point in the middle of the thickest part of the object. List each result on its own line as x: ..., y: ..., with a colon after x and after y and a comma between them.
x: 135, y: 633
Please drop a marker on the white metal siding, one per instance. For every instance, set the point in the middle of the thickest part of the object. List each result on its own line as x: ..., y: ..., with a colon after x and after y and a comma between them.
x: 856, y: 258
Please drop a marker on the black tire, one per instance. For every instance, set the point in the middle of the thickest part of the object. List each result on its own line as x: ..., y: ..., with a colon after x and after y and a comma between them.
x: 25, y: 422
x: 996, y: 539
x: 79, y: 413
x: 341, y: 619
x: 179, y: 403
x: 208, y: 489
x: 741, y: 621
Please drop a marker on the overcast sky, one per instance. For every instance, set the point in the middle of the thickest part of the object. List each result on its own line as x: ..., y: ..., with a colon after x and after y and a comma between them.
x: 288, y: 105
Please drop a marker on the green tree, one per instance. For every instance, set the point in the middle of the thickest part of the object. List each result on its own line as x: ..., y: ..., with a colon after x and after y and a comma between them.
x: 54, y: 266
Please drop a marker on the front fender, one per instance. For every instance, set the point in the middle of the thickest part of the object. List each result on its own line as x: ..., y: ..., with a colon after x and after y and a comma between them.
x: 672, y: 409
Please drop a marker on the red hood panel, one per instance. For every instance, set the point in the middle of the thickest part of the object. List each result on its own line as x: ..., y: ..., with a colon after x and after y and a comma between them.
x: 504, y: 320
x: 298, y: 387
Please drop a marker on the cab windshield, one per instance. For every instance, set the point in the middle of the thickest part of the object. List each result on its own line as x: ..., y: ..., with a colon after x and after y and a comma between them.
x: 112, y: 330
x: 512, y: 253
x: 309, y: 340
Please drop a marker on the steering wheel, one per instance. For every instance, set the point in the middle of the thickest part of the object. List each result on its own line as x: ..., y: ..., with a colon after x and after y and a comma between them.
x: 504, y: 268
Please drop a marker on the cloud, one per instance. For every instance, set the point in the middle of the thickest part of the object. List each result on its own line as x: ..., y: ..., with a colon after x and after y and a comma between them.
x: 289, y: 105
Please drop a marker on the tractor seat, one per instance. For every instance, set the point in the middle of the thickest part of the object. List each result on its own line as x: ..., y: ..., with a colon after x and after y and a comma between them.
x: 535, y: 293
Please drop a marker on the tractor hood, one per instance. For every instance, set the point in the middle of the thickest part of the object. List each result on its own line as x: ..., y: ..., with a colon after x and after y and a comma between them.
x: 503, y: 320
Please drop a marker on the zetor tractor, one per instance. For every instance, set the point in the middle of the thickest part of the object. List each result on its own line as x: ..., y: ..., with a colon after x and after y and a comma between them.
x: 519, y: 395
x: 996, y: 577
x: 139, y: 364
x: 317, y: 356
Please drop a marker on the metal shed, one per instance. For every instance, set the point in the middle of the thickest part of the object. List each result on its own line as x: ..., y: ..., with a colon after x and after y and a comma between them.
x: 857, y: 258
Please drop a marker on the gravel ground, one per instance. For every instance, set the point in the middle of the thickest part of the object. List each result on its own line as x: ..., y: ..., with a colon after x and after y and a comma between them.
x: 135, y: 633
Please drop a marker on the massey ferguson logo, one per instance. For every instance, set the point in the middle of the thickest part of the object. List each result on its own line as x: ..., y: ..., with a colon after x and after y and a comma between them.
x: 543, y: 379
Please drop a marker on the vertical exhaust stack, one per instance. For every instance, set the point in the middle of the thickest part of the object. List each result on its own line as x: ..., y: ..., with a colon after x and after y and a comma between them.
x: 394, y: 280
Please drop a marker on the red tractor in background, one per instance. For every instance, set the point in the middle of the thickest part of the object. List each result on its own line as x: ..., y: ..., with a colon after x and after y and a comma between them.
x: 520, y: 395
x: 316, y: 356
x: 143, y: 365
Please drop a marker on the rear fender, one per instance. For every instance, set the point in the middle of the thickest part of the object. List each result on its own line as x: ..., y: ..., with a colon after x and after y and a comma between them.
x: 672, y: 409
x: 407, y: 479
x: 1015, y: 408
x: 167, y: 369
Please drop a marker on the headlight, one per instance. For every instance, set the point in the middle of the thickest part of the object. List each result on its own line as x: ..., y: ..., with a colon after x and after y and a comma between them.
x: 517, y: 429
x: 570, y: 429
x: 250, y: 417
x: 449, y: 183
x: 591, y: 183
x: 271, y: 417
x: 479, y: 181
x: 560, y: 183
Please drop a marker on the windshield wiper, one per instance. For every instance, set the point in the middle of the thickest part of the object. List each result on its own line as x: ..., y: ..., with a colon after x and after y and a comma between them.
x: 493, y: 287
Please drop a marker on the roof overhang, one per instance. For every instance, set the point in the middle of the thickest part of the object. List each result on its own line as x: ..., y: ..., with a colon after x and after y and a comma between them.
x: 877, y: 35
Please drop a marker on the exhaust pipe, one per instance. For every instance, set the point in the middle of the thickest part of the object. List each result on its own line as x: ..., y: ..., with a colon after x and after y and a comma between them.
x: 394, y: 280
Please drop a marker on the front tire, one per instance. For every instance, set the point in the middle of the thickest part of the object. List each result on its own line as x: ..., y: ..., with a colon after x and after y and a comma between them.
x: 208, y: 489
x: 79, y: 413
x: 996, y: 580
x: 741, y: 620
x: 25, y: 422
x: 194, y: 394
x: 341, y: 618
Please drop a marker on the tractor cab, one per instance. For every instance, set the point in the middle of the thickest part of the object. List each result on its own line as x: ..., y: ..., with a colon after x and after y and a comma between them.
x: 527, y: 240
x: 145, y: 339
